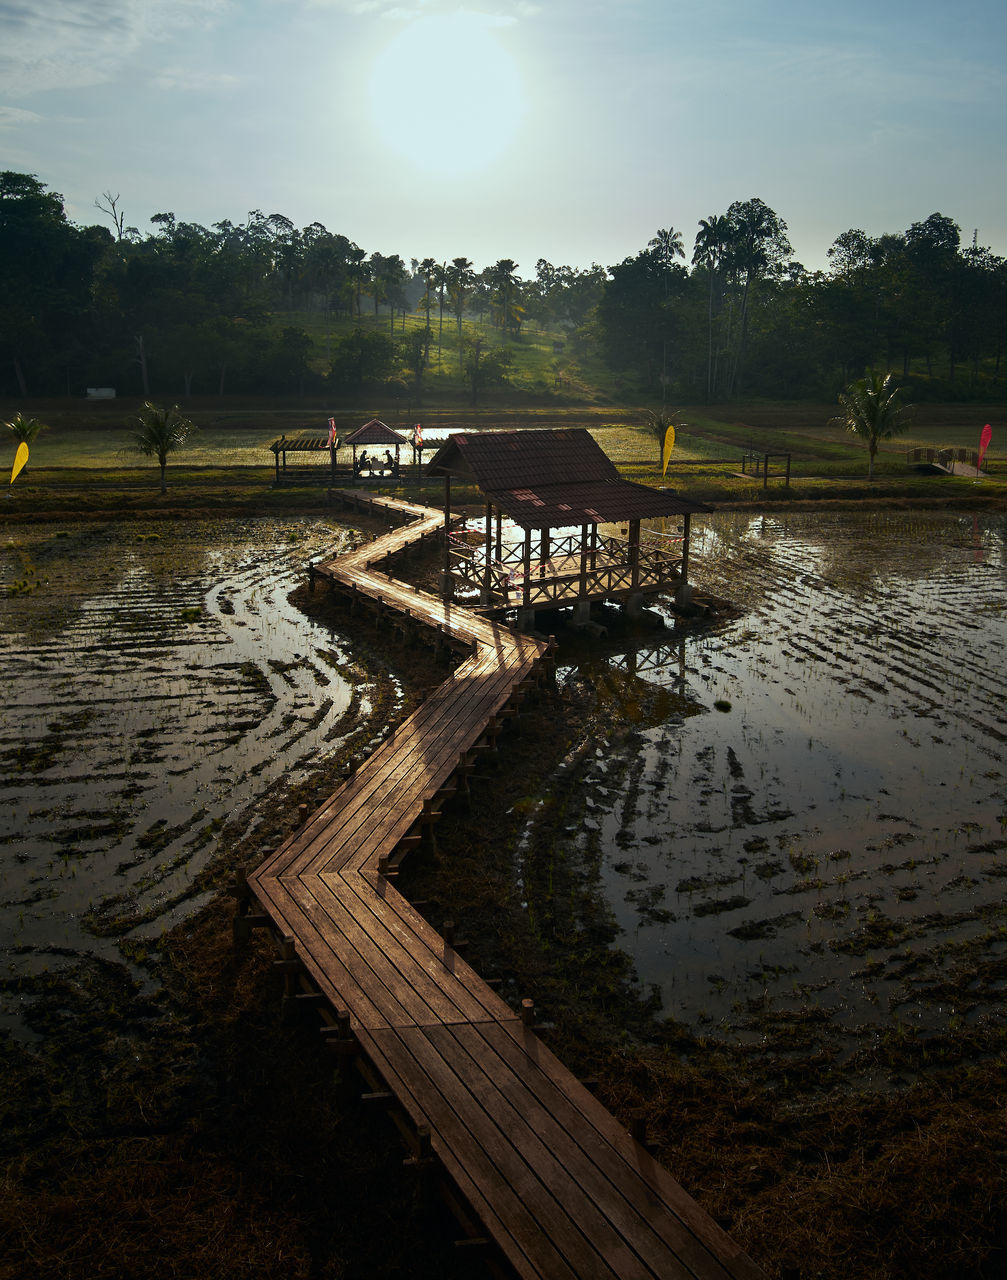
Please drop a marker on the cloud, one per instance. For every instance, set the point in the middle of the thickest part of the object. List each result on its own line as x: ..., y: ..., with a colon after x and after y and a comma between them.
x: 72, y: 44
x: 494, y: 12
x: 188, y: 81
x: 12, y: 117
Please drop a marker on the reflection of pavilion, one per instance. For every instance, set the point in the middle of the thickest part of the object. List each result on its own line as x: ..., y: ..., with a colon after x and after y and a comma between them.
x: 559, y: 488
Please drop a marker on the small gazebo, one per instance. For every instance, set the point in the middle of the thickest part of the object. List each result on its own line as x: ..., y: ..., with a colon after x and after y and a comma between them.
x: 559, y: 488
x: 377, y: 435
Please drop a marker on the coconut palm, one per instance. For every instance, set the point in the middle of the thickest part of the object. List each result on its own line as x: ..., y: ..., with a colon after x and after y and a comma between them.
x: 667, y: 246
x: 24, y: 429
x: 873, y: 411
x: 158, y: 432
x: 709, y: 251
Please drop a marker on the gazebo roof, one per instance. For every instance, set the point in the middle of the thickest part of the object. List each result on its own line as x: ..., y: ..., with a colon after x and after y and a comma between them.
x: 300, y: 442
x: 375, y: 432
x: 549, y: 479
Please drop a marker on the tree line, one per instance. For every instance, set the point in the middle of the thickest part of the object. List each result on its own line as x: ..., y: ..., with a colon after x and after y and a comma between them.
x: 186, y: 309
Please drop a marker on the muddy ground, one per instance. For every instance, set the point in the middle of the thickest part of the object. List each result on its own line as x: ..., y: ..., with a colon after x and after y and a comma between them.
x: 159, y: 1119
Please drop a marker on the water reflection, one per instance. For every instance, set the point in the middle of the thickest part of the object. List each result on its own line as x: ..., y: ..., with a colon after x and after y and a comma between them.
x: 158, y: 683
x: 829, y: 832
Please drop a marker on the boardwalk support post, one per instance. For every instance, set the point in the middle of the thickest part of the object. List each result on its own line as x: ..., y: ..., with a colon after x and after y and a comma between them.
x: 290, y: 967
x: 243, y: 922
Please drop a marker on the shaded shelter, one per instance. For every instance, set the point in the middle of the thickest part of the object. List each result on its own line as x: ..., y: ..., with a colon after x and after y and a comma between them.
x: 308, y: 443
x: 381, y: 438
x: 547, y: 481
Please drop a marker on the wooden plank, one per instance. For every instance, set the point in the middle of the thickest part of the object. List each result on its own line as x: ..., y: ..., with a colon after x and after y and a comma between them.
x: 420, y: 754
x: 382, y: 962
x: 577, y: 1128
x: 516, y: 1208
x: 589, y: 1114
x: 503, y: 1099
x: 491, y: 1005
x: 322, y: 962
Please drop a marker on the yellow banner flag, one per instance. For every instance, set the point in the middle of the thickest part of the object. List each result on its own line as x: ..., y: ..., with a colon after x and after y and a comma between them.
x: 669, y: 444
x: 20, y: 458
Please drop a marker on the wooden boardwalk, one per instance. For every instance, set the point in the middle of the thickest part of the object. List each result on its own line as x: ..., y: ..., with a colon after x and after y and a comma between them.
x: 556, y: 1182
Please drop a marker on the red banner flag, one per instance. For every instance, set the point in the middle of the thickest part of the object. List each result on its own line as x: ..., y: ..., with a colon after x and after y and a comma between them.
x: 984, y: 443
x: 332, y: 432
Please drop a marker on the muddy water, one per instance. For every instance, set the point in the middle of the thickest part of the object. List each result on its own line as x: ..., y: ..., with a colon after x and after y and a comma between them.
x: 157, y: 685
x: 825, y: 842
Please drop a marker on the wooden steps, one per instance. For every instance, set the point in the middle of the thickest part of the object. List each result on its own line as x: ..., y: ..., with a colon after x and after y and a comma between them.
x: 559, y: 1185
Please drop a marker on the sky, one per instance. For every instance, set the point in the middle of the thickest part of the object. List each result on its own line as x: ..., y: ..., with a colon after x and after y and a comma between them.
x: 570, y: 130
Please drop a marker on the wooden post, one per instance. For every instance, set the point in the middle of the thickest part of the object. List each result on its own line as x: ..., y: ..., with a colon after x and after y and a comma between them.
x: 526, y: 585
x: 488, y: 552
x: 584, y: 534
x: 544, y: 552
x: 634, y: 553
x: 528, y: 1012
x: 787, y: 485
x: 446, y: 591
x: 290, y: 967
x: 499, y: 555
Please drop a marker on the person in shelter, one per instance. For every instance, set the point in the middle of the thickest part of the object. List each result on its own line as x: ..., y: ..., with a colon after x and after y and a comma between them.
x: 364, y: 464
x: 389, y: 463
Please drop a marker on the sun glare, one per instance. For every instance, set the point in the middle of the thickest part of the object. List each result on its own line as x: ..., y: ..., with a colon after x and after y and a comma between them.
x: 446, y: 95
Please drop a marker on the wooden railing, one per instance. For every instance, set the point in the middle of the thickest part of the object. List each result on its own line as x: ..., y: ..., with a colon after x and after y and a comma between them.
x: 572, y: 570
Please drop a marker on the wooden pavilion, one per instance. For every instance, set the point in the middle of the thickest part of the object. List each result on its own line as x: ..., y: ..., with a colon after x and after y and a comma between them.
x: 378, y: 435
x: 315, y: 447
x: 559, y: 488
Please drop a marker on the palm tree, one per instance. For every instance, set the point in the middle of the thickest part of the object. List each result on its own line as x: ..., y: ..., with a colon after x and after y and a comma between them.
x: 667, y: 246
x: 504, y: 283
x: 427, y: 269
x: 25, y: 429
x: 440, y: 278
x: 460, y: 278
x: 708, y: 251
x: 657, y: 422
x: 872, y: 410
x: 158, y: 432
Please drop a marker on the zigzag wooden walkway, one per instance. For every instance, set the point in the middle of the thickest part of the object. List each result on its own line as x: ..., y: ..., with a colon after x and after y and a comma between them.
x: 559, y: 1186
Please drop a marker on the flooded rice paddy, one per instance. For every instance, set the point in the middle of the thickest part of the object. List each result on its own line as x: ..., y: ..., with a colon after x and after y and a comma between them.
x: 817, y: 836
x: 159, y: 686
x: 810, y: 834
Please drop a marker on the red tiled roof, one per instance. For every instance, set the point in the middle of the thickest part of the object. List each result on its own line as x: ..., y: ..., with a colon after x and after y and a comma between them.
x: 375, y: 432
x: 547, y: 479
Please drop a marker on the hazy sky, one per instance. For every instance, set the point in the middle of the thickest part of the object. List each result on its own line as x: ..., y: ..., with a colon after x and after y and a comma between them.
x: 565, y: 129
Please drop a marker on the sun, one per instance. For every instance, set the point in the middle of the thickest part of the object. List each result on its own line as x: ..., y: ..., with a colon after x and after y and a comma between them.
x: 446, y: 94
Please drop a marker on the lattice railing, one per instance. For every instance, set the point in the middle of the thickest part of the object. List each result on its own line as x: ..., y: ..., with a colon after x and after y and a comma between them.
x: 606, y: 569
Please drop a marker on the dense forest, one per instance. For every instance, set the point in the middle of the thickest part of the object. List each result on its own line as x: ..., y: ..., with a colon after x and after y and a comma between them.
x: 263, y: 307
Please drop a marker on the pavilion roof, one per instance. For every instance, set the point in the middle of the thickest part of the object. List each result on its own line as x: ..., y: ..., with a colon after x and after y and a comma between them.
x: 300, y: 442
x: 549, y: 479
x: 375, y: 432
